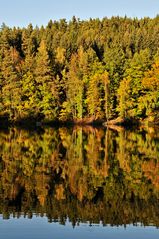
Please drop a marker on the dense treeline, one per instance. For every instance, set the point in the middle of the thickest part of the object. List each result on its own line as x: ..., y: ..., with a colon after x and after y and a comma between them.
x: 84, y: 174
x: 81, y: 70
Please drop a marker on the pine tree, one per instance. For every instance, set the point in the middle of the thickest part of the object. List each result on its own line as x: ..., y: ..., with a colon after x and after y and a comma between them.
x: 11, y: 89
x: 46, y: 90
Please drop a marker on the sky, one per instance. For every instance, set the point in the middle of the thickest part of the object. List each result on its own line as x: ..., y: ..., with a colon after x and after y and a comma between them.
x: 39, y: 12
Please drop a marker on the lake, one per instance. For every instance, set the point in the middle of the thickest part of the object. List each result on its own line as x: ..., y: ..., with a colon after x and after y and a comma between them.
x: 79, y: 182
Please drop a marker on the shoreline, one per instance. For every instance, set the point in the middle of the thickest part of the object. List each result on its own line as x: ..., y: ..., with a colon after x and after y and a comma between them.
x: 35, y: 123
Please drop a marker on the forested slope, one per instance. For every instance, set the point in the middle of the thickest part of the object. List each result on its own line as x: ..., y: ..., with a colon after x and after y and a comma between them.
x: 81, y: 70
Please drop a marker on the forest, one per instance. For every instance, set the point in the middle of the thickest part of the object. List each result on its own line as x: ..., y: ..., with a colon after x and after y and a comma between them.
x: 81, y: 71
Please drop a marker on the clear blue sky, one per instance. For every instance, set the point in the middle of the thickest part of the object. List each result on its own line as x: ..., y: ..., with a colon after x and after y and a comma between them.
x: 39, y: 12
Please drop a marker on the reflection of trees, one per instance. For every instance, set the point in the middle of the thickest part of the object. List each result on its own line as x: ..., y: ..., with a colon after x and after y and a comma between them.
x: 81, y: 173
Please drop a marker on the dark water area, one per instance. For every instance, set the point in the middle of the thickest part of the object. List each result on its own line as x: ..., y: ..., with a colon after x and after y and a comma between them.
x: 79, y: 182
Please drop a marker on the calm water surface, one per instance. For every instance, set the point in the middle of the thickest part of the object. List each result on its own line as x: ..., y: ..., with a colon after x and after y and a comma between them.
x: 79, y: 183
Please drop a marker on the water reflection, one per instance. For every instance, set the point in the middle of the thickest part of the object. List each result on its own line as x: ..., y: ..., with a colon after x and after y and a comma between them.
x: 84, y: 174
